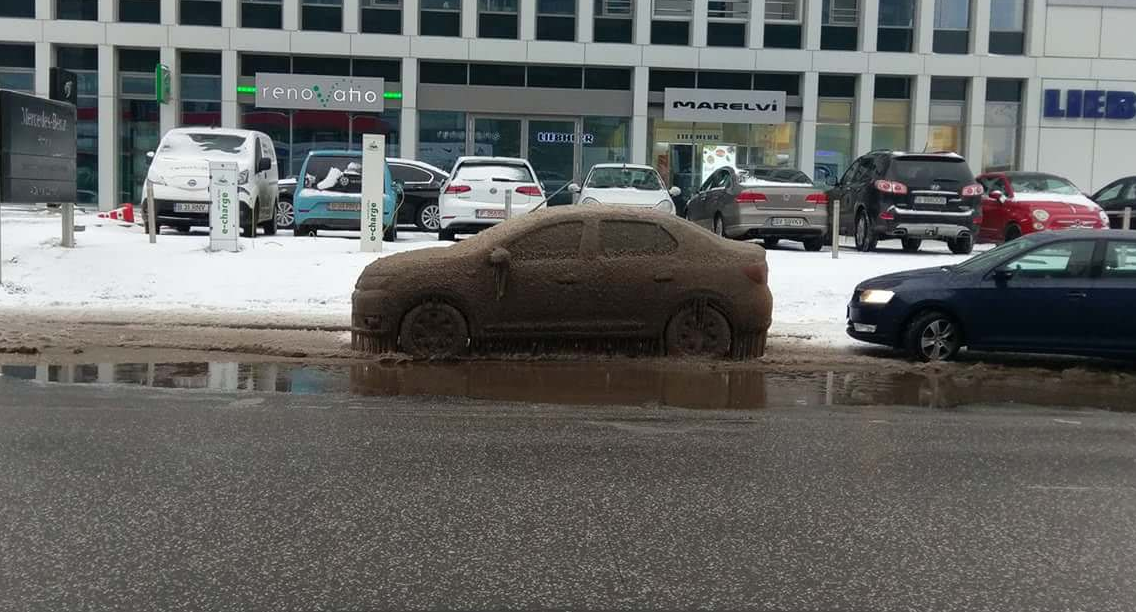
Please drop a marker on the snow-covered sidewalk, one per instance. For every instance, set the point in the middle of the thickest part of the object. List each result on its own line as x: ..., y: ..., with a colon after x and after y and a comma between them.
x: 114, y: 268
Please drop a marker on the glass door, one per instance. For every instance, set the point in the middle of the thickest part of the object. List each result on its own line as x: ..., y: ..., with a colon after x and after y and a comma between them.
x: 495, y: 136
x: 552, y: 153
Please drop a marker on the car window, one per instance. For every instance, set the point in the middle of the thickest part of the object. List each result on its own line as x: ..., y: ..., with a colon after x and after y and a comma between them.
x: 1120, y: 260
x: 925, y: 172
x: 642, y: 179
x: 1112, y: 192
x: 635, y: 239
x: 851, y: 174
x: 1071, y: 259
x: 560, y: 241
x: 335, y: 173
x: 706, y: 184
x: 497, y: 172
x: 265, y: 149
x: 1129, y: 192
x: 1042, y: 183
x: 409, y: 174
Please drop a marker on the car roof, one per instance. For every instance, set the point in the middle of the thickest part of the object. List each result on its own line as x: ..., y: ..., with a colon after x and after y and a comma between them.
x: 1111, y: 234
x: 630, y: 166
x: 414, y: 162
x: 484, y: 159
x: 950, y: 154
x: 1020, y: 173
x: 213, y: 130
x: 336, y: 152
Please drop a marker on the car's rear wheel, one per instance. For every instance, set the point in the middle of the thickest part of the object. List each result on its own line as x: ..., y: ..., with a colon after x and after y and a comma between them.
x: 719, y: 225
x: 271, y: 225
x: 428, y: 217
x: 911, y: 245
x: 434, y: 329
x: 183, y: 229
x: 813, y: 244
x: 1013, y: 232
x: 303, y: 230
x: 961, y: 246
x: 285, y: 214
x: 445, y: 234
x: 771, y: 243
x: 698, y: 330
x: 390, y: 234
x: 865, y: 234
x: 933, y: 336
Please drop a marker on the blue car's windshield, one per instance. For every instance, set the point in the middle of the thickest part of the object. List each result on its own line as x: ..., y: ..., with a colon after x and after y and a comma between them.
x: 984, y: 260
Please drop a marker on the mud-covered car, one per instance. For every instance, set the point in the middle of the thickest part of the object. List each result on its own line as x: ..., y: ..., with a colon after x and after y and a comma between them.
x: 574, y: 279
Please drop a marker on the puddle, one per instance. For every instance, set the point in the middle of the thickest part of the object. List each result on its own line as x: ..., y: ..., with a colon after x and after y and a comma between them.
x: 606, y: 383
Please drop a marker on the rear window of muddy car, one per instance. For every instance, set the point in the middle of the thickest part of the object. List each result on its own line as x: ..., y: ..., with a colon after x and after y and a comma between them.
x: 949, y: 173
x: 497, y: 172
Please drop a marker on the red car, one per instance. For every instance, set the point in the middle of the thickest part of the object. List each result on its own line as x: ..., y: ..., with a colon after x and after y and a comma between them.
x: 1019, y: 203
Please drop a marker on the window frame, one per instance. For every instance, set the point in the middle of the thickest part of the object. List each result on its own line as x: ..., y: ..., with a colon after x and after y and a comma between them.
x: 518, y: 254
x: 658, y: 230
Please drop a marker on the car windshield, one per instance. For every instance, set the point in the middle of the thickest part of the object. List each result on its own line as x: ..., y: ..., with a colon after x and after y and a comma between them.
x: 195, y: 143
x: 334, y: 172
x: 643, y: 179
x: 498, y: 172
x: 985, y: 260
x: 1042, y: 183
x: 949, y: 173
x: 772, y: 175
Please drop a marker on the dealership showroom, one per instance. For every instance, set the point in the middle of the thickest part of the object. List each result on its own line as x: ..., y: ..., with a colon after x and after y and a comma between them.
x: 1009, y: 84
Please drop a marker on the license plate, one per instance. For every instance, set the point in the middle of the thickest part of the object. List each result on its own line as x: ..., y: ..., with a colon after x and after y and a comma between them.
x: 787, y: 222
x: 930, y: 200
x: 490, y: 213
x: 344, y: 206
x: 191, y: 207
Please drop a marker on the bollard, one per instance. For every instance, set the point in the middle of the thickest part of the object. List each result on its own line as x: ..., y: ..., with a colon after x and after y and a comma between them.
x: 836, y: 229
x: 151, y: 224
x: 1127, y: 218
x: 508, y: 203
x: 68, y: 240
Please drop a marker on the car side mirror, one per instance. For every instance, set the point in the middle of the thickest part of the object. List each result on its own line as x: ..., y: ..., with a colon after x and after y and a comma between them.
x: 149, y: 155
x: 264, y: 165
x: 500, y: 257
x: 675, y: 192
x: 999, y: 196
x: 1002, y: 275
x: 573, y: 188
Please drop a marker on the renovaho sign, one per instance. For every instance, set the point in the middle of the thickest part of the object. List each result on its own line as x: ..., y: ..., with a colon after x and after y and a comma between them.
x: 309, y: 92
x: 723, y: 105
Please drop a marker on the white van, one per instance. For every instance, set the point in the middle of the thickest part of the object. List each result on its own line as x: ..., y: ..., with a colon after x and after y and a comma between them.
x: 179, y: 171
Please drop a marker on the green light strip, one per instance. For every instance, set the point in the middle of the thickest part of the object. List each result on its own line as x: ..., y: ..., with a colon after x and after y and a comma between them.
x: 246, y: 89
x: 251, y: 90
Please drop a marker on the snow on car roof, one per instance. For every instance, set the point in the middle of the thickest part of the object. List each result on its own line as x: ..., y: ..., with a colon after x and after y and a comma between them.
x: 628, y: 166
x: 485, y: 159
x: 212, y: 130
x: 756, y: 182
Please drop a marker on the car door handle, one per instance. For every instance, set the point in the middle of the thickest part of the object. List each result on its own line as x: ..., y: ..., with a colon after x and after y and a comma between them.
x: 567, y: 280
x: 664, y: 277
x: 1077, y: 295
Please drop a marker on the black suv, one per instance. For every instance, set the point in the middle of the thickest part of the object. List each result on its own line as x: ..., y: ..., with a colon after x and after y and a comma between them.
x: 910, y: 196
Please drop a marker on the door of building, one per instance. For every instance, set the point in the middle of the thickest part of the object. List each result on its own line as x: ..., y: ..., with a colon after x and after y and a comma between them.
x: 552, y: 146
x: 496, y: 137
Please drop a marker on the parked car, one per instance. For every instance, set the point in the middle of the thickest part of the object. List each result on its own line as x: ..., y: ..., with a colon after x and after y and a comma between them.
x: 626, y: 185
x: 1051, y: 292
x: 331, y: 197
x: 1115, y: 197
x: 285, y: 211
x: 1019, y: 203
x: 735, y: 204
x: 421, y: 186
x: 909, y: 196
x: 474, y: 196
x: 179, y: 173
x: 604, y: 278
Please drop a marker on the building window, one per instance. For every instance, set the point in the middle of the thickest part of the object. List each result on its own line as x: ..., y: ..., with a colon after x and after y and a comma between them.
x: 199, y: 12
x: 84, y: 10
x: 298, y: 132
x: 138, y: 128
x: 140, y: 11
x: 497, y: 18
x: 835, y: 122
x: 321, y: 15
x: 563, y: 77
x: 380, y: 16
x: 783, y: 24
x: 897, y: 26
x: 556, y: 19
x: 670, y: 24
x: 613, y: 21
x: 947, y: 129
x: 200, y: 92
x: 443, y: 73
x: 891, y: 113
x: 708, y: 79
x: 1007, y: 27
x: 499, y: 75
x: 1002, y: 131
x: 441, y: 138
x: 17, y: 67
x: 18, y: 8
x: 606, y: 140
x: 616, y: 79
x: 728, y: 23
x: 952, y: 26
x: 266, y: 14
x: 840, y: 20
x: 84, y: 62
x: 440, y: 18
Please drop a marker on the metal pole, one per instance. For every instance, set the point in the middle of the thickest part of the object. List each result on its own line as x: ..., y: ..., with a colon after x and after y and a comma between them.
x: 68, y: 240
x: 1127, y: 217
x: 151, y: 223
x: 836, y: 229
x: 508, y: 203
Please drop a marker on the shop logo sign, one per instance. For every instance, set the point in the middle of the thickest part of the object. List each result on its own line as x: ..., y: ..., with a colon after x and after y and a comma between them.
x: 308, y: 92
x: 1089, y: 104
x: 723, y: 105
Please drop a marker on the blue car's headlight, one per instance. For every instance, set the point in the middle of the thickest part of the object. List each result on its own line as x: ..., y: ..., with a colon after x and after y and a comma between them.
x: 876, y: 296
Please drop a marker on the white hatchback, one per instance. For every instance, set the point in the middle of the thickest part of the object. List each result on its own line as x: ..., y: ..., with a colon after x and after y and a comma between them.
x: 626, y: 185
x: 474, y: 196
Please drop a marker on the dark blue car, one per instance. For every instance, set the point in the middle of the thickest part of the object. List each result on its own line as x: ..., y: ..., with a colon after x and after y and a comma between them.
x: 1071, y: 292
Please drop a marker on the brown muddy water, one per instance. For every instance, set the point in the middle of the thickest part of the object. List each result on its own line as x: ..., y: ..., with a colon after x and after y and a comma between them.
x: 617, y: 383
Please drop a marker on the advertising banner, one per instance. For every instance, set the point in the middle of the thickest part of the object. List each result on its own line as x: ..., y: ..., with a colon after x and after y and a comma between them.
x: 225, y: 211
x: 374, y: 183
x: 723, y: 105
x: 37, y: 149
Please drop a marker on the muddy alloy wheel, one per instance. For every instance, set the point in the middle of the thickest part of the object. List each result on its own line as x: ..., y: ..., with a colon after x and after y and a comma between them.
x: 285, y: 214
x: 429, y: 218
x: 934, y: 336
x: 434, y: 329
x: 698, y: 331
x: 719, y: 226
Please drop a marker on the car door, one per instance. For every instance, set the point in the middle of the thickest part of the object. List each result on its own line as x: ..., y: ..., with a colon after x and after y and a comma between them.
x: 995, y: 214
x: 698, y: 208
x: 1115, y: 197
x: 637, y: 260
x: 1111, y: 304
x: 1035, y: 301
x: 847, y: 194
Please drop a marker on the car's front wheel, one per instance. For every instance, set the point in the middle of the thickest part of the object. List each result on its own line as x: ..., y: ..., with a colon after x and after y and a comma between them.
x: 771, y: 243
x: 933, y: 336
x: 813, y: 244
x: 434, y: 329
x: 698, y: 330
x: 285, y: 214
x: 248, y: 229
x: 429, y: 217
x: 719, y: 225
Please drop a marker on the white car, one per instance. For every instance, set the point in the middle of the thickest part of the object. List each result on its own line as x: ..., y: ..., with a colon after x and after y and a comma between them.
x: 474, y: 196
x: 179, y: 172
x: 626, y: 185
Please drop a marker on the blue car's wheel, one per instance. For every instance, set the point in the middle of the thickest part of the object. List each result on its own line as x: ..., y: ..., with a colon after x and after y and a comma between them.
x: 933, y: 336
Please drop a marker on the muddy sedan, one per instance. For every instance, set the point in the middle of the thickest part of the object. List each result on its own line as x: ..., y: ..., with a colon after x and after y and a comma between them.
x: 570, y: 279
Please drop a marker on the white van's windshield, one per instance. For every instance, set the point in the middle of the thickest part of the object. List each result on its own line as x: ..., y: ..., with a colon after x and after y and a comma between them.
x: 197, y: 143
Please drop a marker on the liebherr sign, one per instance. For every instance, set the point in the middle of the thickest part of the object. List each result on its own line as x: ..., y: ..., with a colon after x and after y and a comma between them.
x: 724, y: 105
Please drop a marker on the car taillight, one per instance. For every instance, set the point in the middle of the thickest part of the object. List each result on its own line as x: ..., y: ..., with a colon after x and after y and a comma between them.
x: 972, y: 190
x: 751, y: 197
x: 529, y: 190
x: 458, y: 189
x: 887, y: 215
x: 816, y: 198
x: 891, y: 187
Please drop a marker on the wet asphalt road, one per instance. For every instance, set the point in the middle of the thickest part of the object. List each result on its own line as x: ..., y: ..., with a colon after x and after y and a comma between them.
x: 144, y: 499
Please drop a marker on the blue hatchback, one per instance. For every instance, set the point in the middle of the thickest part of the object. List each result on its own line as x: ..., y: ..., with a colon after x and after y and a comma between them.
x: 1070, y: 292
x: 331, y: 197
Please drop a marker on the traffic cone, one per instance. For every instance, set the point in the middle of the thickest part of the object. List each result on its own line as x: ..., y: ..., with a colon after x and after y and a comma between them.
x: 125, y: 213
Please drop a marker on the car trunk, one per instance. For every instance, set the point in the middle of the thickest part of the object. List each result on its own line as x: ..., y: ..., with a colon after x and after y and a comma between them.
x: 488, y: 184
x: 934, y: 183
x: 792, y: 197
